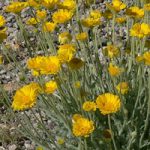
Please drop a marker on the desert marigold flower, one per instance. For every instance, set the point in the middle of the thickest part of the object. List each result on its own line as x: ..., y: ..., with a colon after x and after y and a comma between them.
x: 44, y: 64
x: 120, y: 19
x: 89, y: 106
x: 16, y: 7
x: 112, y: 51
x: 62, y: 16
x: 49, y: 3
x: 3, y: 34
x: 49, y: 26
x: 64, y: 37
x: 66, y: 52
x: 77, y: 84
x: 25, y: 97
x: 139, y: 59
x: 108, y: 103
x: 32, y: 21
x: 75, y: 117
x: 147, y: 7
x: 33, y: 3
x: 2, y: 21
x: 75, y: 63
x: 146, y: 58
x: 114, y: 70
x: 82, y: 36
x: 135, y: 12
x: 41, y: 14
x: 82, y: 127
x: 116, y: 5
x: 123, y: 87
x: 140, y: 30
x: 35, y: 73
x: 96, y: 14
x: 67, y: 4
x: 50, y: 87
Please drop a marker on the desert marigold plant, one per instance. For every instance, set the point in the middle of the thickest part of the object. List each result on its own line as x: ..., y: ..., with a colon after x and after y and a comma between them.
x: 83, y: 78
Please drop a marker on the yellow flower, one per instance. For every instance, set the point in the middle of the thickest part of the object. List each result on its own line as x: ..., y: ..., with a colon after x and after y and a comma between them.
x: 108, y: 103
x: 140, y: 30
x: 2, y: 21
x: 50, y: 87
x: 114, y: 70
x: 123, y: 87
x: 120, y: 19
x: 139, y: 59
x: 112, y: 51
x: 35, y: 73
x: 75, y: 63
x: 41, y: 15
x: 16, y: 7
x: 33, y: 3
x: 116, y: 5
x: 75, y: 117
x: 32, y: 21
x: 67, y: 4
x: 60, y: 141
x: 49, y: 3
x: 146, y: 57
x: 82, y: 36
x: 62, y: 16
x: 44, y: 64
x: 82, y: 127
x: 66, y: 52
x: 25, y: 97
x: 49, y: 26
x: 147, y: 7
x: 39, y: 148
x: 135, y: 12
x: 89, y: 106
x: 93, y: 19
x: 64, y: 37
x: 77, y: 84
x: 1, y: 59
x: 3, y: 34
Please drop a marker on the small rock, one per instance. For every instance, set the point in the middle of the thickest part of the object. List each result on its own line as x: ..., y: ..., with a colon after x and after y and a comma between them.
x: 12, y: 147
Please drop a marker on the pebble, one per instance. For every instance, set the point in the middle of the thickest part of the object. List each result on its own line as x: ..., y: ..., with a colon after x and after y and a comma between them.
x: 12, y: 147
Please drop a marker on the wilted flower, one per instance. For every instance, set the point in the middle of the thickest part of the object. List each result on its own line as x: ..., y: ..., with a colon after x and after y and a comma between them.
x: 123, y: 87
x: 82, y: 36
x: 107, y: 134
x: 140, y: 30
x: 49, y: 3
x: 62, y: 16
x: 114, y: 70
x: 108, y: 14
x: 39, y: 148
x: 67, y: 4
x: 64, y: 37
x: 135, y: 12
x: 1, y: 59
x: 60, y: 141
x: 75, y: 63
x: 3, y: 34
x: 89, y: 106
x: 44, y: 64
x: 49, y: 26
x: 50, y: 87
x: 108, y: 103
x: 66, y: 52
x: 25, y: 97
x: 77, y: 84
x: 16, y: 7
x: 82, y: 127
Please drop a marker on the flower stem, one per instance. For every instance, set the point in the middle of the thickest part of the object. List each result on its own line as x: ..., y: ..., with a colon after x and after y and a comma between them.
x: 113, y: 140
